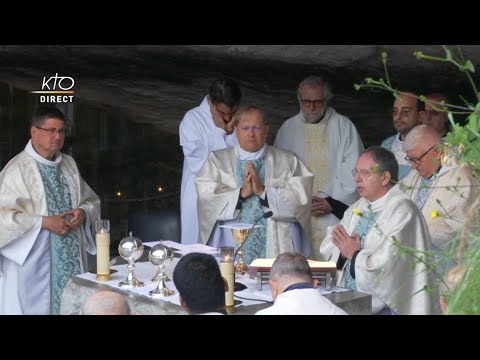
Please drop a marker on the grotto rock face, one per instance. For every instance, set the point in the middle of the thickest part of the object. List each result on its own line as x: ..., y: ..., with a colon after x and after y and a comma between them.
x: 129, y: 101
x: 157, y: 84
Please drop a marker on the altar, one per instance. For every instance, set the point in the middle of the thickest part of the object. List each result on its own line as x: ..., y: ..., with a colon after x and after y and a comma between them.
x: 247, y: 302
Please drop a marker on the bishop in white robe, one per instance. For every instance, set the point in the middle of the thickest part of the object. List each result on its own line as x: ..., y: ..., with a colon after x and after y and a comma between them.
x: 279, y: 182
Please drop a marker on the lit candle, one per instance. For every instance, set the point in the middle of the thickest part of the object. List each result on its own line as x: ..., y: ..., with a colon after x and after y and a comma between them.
x: 102, y: 240
x: 228, y: 272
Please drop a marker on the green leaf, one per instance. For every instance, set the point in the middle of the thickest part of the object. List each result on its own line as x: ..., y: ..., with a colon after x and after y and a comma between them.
x: 469, y: 66
x: 448, y: 54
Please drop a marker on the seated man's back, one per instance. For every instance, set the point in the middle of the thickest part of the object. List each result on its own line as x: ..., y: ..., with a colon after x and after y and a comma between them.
x: 293, y: 289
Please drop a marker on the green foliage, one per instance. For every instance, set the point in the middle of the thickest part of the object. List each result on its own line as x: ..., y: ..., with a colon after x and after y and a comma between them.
x: 464, y: 142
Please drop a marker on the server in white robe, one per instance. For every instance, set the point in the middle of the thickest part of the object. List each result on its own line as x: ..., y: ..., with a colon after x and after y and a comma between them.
x: 329, y: 144
x: 46, y: 215
x: 377, y: 242
x: 203, y: 129
x: 293, y: 289
x: 243, y: 182
x: 441, y: 192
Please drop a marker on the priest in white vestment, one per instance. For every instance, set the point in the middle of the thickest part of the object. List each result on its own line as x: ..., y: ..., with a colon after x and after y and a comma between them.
x: 441, y: 192
x: 407, y: 113
x: 244, y: 182
x: 369, y: 242
x: 329, y: 144
x: 46, y: 215
x: 203, y: 129
x: 294, y: 289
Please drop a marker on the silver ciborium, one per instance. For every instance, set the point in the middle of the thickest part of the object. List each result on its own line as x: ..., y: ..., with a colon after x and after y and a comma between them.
x: 158, y: 255
x: 162, y: 267
x: 131, y: 249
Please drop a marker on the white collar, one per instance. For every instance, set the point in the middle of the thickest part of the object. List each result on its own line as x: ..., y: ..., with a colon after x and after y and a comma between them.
x: 381, y: 203
x: 33, y: 153
x: 245, y: 155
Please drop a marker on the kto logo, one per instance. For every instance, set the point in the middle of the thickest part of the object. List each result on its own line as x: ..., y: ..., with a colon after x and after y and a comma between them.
x: 59, y: 85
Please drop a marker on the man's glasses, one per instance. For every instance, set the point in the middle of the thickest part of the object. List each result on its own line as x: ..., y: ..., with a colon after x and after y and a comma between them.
x: 316, y: 103
x: 53, y: 131
x: 362, y: 172
x: 256, y: 128
x: 418, y: 160
x: 403, y: 113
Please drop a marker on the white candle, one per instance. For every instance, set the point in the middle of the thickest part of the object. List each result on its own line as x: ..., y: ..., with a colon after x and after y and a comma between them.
x: 102, y: 239
x: 228, y: 272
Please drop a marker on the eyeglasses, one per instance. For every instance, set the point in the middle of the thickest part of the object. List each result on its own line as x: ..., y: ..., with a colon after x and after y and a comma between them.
x: 53, y: 131
x: 362, y: 172
x: 401, y: 113
x: 256, y: 128
x: 418, y: 160
x: 316, y: 103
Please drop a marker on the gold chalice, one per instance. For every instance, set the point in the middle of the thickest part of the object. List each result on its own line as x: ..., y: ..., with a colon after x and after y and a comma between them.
x: 240, y: 235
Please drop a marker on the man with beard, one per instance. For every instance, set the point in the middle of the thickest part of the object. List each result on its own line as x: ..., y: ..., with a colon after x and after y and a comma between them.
x: 329, y: 144
x: 406, y: 113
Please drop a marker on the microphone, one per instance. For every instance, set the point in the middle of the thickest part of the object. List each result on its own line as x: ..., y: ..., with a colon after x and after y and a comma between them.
x: 239, y: 286
x: 264, y: 216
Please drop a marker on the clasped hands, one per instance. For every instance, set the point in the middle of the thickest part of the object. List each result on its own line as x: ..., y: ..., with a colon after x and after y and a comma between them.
x: 320, y: 206
x: 63, y: 223
x: 251, y: 182
x: 345, y: 243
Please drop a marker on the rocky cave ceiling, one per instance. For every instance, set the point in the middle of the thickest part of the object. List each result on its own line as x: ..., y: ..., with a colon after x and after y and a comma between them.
x: 157, y: 84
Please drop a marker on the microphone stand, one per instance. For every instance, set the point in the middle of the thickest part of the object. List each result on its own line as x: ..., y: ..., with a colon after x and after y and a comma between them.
x: 239, y: 286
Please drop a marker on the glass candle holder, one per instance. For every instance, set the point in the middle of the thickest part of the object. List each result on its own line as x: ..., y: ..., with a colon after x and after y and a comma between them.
x: 228, y: 272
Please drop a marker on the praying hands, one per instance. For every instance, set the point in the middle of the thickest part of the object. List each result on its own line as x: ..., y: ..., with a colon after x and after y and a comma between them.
x: 347, y: 244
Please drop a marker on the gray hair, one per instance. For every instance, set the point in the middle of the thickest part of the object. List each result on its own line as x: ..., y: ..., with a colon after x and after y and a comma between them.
x: 291, y: 266
x: 318, y: 81
x: 421, y: 134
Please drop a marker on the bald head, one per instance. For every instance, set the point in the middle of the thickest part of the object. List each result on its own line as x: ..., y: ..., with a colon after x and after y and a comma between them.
x: 424, y: 135
x: 106, y: 303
